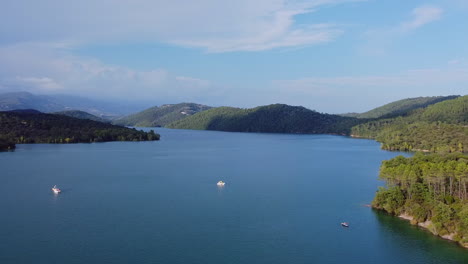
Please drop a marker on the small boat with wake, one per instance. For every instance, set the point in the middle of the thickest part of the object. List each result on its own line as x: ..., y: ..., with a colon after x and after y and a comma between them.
x: 56, y: 190
x: 221, y: 183
x: 344, y: 224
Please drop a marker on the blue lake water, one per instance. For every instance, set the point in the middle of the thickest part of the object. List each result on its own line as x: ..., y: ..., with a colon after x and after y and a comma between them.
x: 157, y: 202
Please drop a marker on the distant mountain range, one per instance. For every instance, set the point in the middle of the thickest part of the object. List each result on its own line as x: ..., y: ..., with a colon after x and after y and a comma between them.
x: 435, y: 124
x: 56, y: 103
x: 162, y: 115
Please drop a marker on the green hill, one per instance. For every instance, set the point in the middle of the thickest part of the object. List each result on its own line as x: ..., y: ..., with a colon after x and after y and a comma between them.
x: 161, y: 116
x: 403, y: 107
x: 36, y: 127
x: 81, y: 115
x: 452, y: 111
x: 441, y: 127
x: 276, y: 118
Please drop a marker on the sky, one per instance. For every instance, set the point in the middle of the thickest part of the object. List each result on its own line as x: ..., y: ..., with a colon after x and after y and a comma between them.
x: 331, y: 56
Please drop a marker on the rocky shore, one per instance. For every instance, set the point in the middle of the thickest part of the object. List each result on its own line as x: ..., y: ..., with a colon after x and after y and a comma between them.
x: 428, y: 226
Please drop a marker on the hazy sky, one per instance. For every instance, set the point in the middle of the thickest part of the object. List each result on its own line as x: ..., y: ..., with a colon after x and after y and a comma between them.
x: 328, y: 55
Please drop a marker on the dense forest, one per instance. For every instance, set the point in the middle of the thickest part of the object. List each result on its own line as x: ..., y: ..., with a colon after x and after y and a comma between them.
x: 35, y: 127
x: 431, y: 190
x: 162, y: 115
x: 440, y: 127
x: 276, y: 118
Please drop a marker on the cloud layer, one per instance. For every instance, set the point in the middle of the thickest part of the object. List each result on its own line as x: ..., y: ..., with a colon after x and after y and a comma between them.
x: 379, y: 41
x: 37, y: 47
x: 40, y: 69
x: 215, y: 26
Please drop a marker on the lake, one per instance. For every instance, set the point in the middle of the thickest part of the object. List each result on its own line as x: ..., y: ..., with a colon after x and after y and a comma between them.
x: 157, y: 202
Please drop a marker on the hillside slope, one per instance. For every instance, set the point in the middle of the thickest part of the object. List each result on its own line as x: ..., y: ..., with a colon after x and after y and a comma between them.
x: 161, y: 116
x: 276, y: 118
x: 25, y: 100
x: 442, y: 127
x: 403, y: 107
x: 81, y: 115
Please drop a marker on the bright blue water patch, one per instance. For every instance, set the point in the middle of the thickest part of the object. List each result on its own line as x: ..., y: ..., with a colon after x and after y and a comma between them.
x: 157, y: 202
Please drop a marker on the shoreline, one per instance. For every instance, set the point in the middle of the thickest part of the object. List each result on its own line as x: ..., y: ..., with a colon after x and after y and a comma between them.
x: 427, y: 226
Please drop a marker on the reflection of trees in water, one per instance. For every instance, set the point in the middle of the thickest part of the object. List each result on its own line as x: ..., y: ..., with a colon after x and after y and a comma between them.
x: 402, y: 238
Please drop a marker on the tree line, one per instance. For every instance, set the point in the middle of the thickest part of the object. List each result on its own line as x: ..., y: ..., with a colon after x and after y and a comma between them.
x: 276, y: 118
x: 36, y: 127
x: 439, y: 128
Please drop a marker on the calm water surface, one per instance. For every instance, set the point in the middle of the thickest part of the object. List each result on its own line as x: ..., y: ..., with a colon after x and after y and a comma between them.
x: 157, y: 202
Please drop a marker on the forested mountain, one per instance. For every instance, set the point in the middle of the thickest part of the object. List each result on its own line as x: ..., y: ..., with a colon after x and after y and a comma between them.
x: 430, y: 190
x: 55, y: 103
x: 161, y: 116
x: 440, y: 127
x: 276, y: 118
x: 402, y: 107
x: 35, y: 127
x: 81, y: 115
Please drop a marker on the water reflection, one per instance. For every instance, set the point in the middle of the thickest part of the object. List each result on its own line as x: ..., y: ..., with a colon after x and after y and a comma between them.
x: 54, y: 197
x: 220, y: 188
x: 407, y: 237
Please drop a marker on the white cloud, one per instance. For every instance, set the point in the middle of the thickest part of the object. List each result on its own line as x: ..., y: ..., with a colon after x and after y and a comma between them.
x: 421, y: 16
x: 284, y: 37
x: 379, y: 41
x: 213, y: 25
x: 40, y: 69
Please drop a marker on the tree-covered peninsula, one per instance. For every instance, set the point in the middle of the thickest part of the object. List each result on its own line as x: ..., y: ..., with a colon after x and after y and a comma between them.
x: 429, y: 190
x: 36, y: 127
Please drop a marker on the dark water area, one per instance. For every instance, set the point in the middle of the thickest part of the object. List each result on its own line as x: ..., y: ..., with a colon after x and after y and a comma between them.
x: 157, y: 202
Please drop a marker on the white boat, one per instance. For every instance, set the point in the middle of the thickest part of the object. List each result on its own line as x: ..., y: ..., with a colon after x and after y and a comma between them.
x: 221, y: 183
x: 56, y: 190
x: 344, y: 224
